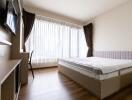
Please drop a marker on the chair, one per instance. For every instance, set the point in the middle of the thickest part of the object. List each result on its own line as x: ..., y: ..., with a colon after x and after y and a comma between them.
x: 30, y: 63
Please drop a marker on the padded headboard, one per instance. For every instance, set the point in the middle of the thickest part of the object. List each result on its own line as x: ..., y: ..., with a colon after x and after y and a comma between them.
x: 114, y: 54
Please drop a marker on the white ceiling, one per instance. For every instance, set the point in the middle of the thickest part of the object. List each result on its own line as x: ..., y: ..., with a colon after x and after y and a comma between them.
x: 81, y: 10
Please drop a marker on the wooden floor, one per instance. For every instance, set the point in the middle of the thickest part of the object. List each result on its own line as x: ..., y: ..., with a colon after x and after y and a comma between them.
x: 51, y: 85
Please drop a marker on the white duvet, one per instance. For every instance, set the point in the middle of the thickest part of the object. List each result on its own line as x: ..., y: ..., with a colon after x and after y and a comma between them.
x: 106, y: 65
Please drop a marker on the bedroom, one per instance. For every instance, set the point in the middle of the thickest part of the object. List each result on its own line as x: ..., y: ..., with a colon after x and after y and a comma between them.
x: 60, y: 35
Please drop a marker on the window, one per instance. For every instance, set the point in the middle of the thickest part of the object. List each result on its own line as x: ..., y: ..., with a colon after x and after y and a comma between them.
x: 51, y: 40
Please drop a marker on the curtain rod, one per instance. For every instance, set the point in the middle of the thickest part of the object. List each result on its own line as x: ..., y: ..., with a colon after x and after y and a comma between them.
x: 58, y: 21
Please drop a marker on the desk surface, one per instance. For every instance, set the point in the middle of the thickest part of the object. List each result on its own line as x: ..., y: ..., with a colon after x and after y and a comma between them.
x: 6, y: 68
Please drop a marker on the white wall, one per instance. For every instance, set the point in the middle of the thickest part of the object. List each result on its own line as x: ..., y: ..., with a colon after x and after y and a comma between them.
x: 4, y: 49
x: 113, y: 30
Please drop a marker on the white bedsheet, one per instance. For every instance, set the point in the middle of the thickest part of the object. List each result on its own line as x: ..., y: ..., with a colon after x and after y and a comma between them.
x: 106, y: 65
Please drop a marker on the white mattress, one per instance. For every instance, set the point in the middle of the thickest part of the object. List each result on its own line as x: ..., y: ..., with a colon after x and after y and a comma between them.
x: 109, y: 67
x: 105, y: 65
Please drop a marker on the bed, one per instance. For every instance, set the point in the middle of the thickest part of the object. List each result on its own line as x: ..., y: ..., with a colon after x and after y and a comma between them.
x: 101, y: 76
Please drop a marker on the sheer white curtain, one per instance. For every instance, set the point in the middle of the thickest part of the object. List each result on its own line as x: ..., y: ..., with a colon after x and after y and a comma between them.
x: 51, y: 40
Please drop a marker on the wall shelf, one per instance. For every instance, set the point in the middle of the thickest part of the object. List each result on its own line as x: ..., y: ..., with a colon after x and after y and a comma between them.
x: 4, y: 42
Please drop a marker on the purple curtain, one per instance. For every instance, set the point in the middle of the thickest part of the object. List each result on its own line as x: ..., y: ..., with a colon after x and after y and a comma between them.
x: 28, y: 20
x: 88, y: 31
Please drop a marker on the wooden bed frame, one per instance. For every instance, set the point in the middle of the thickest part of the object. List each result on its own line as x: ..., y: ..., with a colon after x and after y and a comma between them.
x: 101, y: 88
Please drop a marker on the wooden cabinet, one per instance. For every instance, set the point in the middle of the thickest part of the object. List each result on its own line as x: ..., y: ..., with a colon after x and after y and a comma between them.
x: 10, y: 79
x: 24, y: 68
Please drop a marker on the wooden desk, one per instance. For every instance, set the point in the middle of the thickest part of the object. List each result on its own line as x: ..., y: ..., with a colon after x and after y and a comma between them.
x: 10, y: 79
